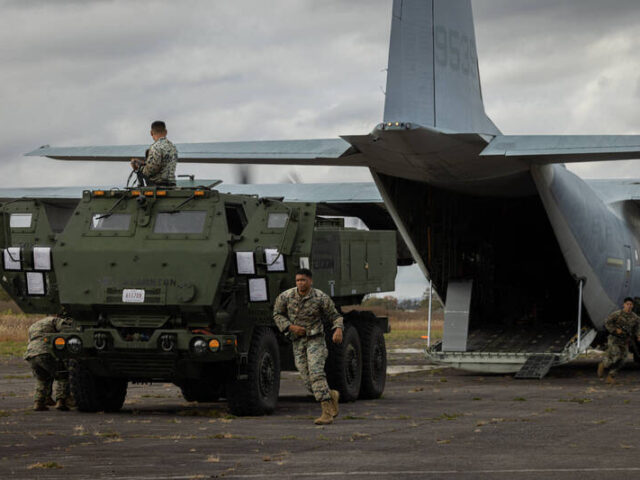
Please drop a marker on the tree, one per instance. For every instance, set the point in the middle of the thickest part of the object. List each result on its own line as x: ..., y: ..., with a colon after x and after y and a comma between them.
x: 436, y: 304
x: 387, y: 302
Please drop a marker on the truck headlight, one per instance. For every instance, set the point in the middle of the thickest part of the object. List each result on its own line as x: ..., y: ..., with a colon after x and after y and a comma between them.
x: 74, y: 345
x: 59, y: 343
x: 199, y: 346
x: 214, y: 345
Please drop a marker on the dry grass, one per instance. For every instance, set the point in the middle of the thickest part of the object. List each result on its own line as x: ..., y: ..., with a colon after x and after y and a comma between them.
x: 14, y: 326
x: 408, y: 326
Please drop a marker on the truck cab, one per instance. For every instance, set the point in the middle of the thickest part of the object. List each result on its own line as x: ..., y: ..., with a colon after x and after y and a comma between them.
x: 178, y: 285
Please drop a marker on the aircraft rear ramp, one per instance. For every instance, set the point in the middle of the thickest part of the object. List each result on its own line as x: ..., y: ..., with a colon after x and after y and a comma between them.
x: 530, y: 349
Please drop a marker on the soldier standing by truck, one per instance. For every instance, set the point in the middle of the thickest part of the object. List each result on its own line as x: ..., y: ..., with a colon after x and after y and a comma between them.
x: 46, y: 368
x: 299, y: 312
x: 623, y: 327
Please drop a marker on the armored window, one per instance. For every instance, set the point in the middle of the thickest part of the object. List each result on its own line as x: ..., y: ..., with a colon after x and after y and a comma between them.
x: 236, y: 218
x: 112, y: 221
x: 180, y: 222
x: 277, y: 220
x: 20, y: 220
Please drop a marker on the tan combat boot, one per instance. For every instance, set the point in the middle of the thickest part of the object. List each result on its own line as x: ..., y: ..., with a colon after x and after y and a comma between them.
x: 61, y: 405
x: 610, y: 379
x: 335, y: 397
x: 600, y: 370
x: 326, y: 418
x: 40, y: 406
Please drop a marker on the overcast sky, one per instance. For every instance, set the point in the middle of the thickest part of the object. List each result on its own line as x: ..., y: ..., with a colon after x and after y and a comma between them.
x: 81, y: 72
x: 97, y: 72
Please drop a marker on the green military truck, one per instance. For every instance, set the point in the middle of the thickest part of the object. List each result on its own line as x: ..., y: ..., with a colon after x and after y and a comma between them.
x: 177, y: 285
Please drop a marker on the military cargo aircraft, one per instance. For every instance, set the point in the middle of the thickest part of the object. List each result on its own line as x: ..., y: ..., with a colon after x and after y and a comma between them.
x: 520, y: 248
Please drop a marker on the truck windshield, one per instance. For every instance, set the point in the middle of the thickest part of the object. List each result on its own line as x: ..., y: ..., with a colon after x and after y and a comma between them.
x: 180, y: 222
x: 113, y: 221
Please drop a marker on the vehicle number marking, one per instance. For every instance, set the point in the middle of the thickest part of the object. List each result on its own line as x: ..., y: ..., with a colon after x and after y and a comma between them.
x: 132, y: 295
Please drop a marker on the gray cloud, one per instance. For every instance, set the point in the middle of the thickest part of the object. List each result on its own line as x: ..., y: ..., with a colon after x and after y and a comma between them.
x: 77, y: 73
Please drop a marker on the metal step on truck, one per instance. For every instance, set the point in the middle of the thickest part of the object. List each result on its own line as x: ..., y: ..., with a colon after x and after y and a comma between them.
x: 178, y: 285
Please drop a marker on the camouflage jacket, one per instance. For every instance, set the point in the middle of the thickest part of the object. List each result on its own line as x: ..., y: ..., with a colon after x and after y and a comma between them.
x: 160, y: 165
x: 306, y: 311
x: 41, y: 335
x: 629, y: 323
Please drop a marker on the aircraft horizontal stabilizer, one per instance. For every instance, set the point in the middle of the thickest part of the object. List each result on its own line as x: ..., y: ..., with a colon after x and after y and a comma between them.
x: 332, y: 151
x: 545, y: 149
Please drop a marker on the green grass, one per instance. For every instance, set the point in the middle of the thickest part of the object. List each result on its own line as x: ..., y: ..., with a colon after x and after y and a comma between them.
x: 12, y: 348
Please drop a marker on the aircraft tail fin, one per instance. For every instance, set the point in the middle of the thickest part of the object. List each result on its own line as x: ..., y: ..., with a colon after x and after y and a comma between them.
x: 433, y: 78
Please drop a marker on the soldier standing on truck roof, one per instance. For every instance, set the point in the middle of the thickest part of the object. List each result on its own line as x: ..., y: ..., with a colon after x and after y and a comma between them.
x: 623, y: 327
x: 46, y: 368
x: 299, y: 312
x: 160, y: 165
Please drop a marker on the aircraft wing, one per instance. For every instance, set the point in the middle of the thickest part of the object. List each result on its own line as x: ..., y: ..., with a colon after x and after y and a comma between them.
x: 564, y: 148
x: 330, y: 193
x: 327, y: 151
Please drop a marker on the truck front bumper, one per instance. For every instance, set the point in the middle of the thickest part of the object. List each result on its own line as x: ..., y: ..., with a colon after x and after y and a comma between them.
x: 166, y: 355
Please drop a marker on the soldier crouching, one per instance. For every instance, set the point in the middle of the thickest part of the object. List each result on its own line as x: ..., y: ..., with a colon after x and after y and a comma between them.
x: 47, y: 368
x: 623, y: 327
x: 299, y: 312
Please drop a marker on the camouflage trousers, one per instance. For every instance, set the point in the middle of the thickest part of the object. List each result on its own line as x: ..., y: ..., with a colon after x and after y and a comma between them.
x: 46, y: 369
x: 310, y: 354
x: 616, y: 354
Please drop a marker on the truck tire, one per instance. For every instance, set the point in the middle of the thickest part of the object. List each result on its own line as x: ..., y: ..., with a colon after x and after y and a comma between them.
x: 84, y: 388
x: 635, y: 351
x: 374, y: 360
x: 258, y: 394
x: 114, y: 391
x: 93, y: 393
x: 200, y: 391
x: 344, y: 365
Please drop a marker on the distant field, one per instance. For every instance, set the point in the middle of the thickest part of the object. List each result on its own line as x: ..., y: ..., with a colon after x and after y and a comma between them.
x: 409, y: 326
x: 13, y: 329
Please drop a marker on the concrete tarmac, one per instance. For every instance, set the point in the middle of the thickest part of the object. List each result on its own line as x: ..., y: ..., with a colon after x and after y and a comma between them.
x: 436, y: 423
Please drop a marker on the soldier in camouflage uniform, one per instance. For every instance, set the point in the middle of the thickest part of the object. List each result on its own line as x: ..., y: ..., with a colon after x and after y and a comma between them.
x: 623, y: 327
x: 299, y: 312
x: 159, y: 167
x: 46, y: 368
